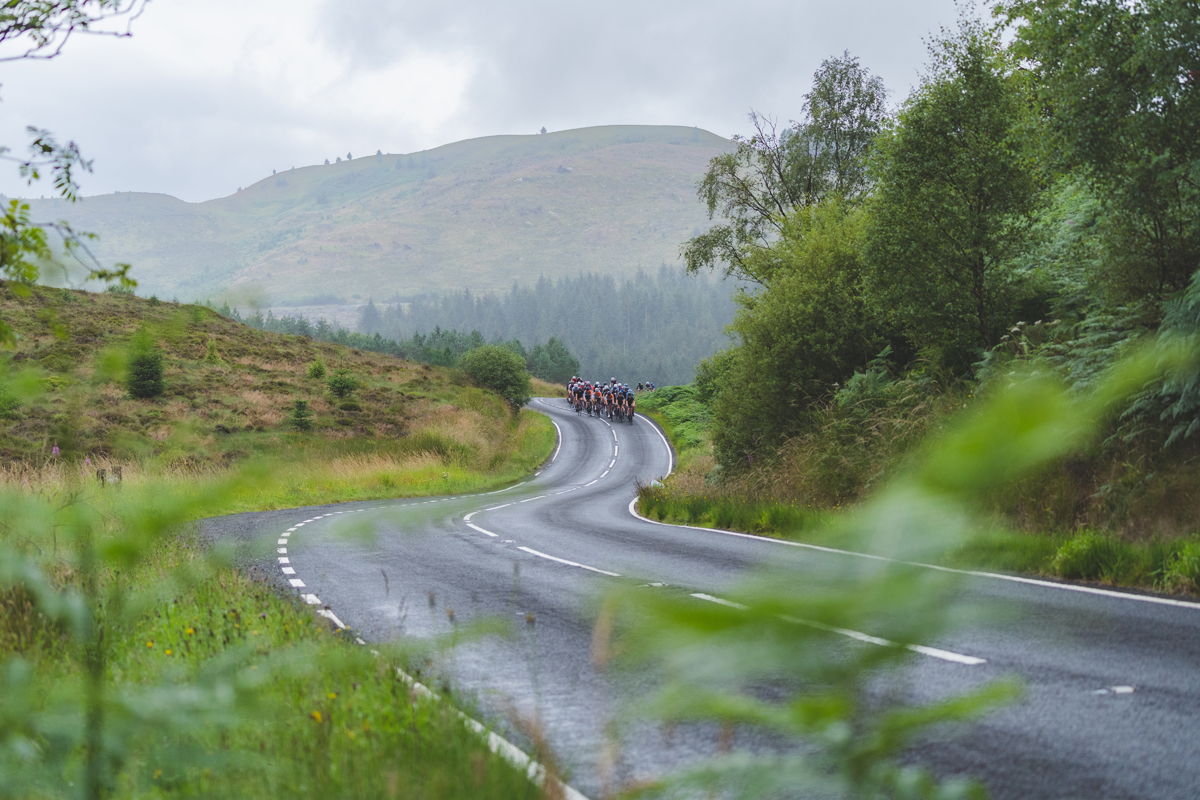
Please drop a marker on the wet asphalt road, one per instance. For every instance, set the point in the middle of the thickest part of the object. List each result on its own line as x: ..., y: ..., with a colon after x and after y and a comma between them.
x: 540, y: 554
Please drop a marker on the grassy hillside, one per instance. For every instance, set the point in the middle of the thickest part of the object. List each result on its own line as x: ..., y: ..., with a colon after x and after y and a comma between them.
x: 481, y: 213
x: 198, y: 679
x: 408, y: 428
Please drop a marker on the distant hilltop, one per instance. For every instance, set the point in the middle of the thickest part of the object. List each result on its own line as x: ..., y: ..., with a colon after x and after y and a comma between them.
x: 481, y: 213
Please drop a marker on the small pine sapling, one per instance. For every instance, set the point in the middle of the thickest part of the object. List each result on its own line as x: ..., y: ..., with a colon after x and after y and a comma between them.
x: 301, y: 417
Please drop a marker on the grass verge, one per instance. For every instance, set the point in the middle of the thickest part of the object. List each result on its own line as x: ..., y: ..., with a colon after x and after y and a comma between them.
x: 692, y: 497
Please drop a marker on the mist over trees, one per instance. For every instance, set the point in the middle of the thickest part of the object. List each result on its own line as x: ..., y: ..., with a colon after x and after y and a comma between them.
x: 653, y: 327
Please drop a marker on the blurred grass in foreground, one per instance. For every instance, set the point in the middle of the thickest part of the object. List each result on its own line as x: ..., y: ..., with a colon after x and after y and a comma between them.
x: 135, y: 662
x: 771, y: 654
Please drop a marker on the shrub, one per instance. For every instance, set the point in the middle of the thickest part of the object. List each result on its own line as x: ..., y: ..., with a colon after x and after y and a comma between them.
x: 210, y: 353
x: 1182, y: 570
x: 10, y: 405
x: 144, y: 378
x: 316, y: 370
x: 499, y: 369
x: 342, y: 383
x: 1090, y: 556
x: 300, y: 418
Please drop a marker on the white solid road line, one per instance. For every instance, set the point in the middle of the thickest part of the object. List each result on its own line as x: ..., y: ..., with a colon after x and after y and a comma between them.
x: 1066, y: 587
x: 932, y: 652
x: 531, y: 499
x: 560, y: 441
x: 540, y: 554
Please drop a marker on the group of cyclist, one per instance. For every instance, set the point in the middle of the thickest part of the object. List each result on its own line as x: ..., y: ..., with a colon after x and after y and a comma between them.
x: 612, y: 400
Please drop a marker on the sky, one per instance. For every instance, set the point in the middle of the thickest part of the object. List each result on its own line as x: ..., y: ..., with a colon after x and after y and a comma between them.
x: 210, y: 95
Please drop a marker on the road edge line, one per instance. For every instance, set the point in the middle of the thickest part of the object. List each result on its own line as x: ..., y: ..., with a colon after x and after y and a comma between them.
x: 515, y: 756
x: 1066, y: 587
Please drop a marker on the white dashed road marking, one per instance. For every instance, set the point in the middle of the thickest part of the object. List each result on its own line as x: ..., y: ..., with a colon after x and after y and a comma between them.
x: 932, y: 652
x: 540, y: 554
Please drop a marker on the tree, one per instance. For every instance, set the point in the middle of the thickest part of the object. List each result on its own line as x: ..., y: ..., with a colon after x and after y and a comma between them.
x: 349, y: 157
x: 797, y: 339
x: 954, y: 202
x: 369, y: 319
x: 342, y: 384
x: 327, y: 162
x: 39, y: 29
x: 772, y: 173
x: 144, y: 373
x: 1118, y: 85
x: 543, y: 130
x: 553, y: 362
x: 300, y: 417
x: 499, y: 369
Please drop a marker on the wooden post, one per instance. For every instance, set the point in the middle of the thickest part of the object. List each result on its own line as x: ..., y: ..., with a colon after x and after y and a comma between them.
x: 101, y: 476
x: 117, y: 476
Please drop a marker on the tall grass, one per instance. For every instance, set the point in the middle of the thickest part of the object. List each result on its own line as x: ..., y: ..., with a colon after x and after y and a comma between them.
x: 453, y: 452
x: 287, y: 705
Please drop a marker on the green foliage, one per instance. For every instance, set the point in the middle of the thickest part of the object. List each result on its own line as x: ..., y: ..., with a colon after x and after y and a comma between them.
x: 712, y: 373
x: 1181, y: 573
x: 22, y: 246
x: 316, y: 370
x: 682, y: 414
x: 771, y: 174
x: 774, y: 630
x: 499, y: 369
x: 1117, y: 84
x: 799, y: 337
x: 211, y: 356
x: 552, y: 362
x: 144, y: 370
x: 300, y: 417
x: 342, y: 384
x: 954, y: 203
x: 1090, y: 556
x: 1177, y: 397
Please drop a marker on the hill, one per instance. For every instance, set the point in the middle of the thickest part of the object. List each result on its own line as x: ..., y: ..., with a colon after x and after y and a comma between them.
x: 481, y: 213
x: 408, y: 428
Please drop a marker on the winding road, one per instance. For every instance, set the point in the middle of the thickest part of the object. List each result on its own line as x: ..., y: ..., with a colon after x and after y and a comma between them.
x: 1112, y: 678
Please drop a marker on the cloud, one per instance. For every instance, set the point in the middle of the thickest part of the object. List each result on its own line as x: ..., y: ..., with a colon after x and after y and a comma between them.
x: 212, y: 94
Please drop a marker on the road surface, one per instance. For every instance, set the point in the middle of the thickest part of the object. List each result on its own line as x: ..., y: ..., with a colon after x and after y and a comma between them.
x: 1112, y: 679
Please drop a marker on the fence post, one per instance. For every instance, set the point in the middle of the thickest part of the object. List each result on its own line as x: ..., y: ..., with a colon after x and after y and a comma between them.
x: 101, y: 476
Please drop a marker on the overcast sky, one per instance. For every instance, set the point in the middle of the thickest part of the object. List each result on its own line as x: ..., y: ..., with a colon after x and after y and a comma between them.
x: 210, y: 95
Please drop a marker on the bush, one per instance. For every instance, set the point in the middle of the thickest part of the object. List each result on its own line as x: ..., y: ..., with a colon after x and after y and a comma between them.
x: 1182, y: 571
x: 144, y: 378
x: 499, y: 369
x: 1090, y: 556
x: 342, y: 383
x: 316, y: 370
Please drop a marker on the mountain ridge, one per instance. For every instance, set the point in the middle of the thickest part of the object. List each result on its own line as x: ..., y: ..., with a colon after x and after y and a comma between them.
x: 480, y: 213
